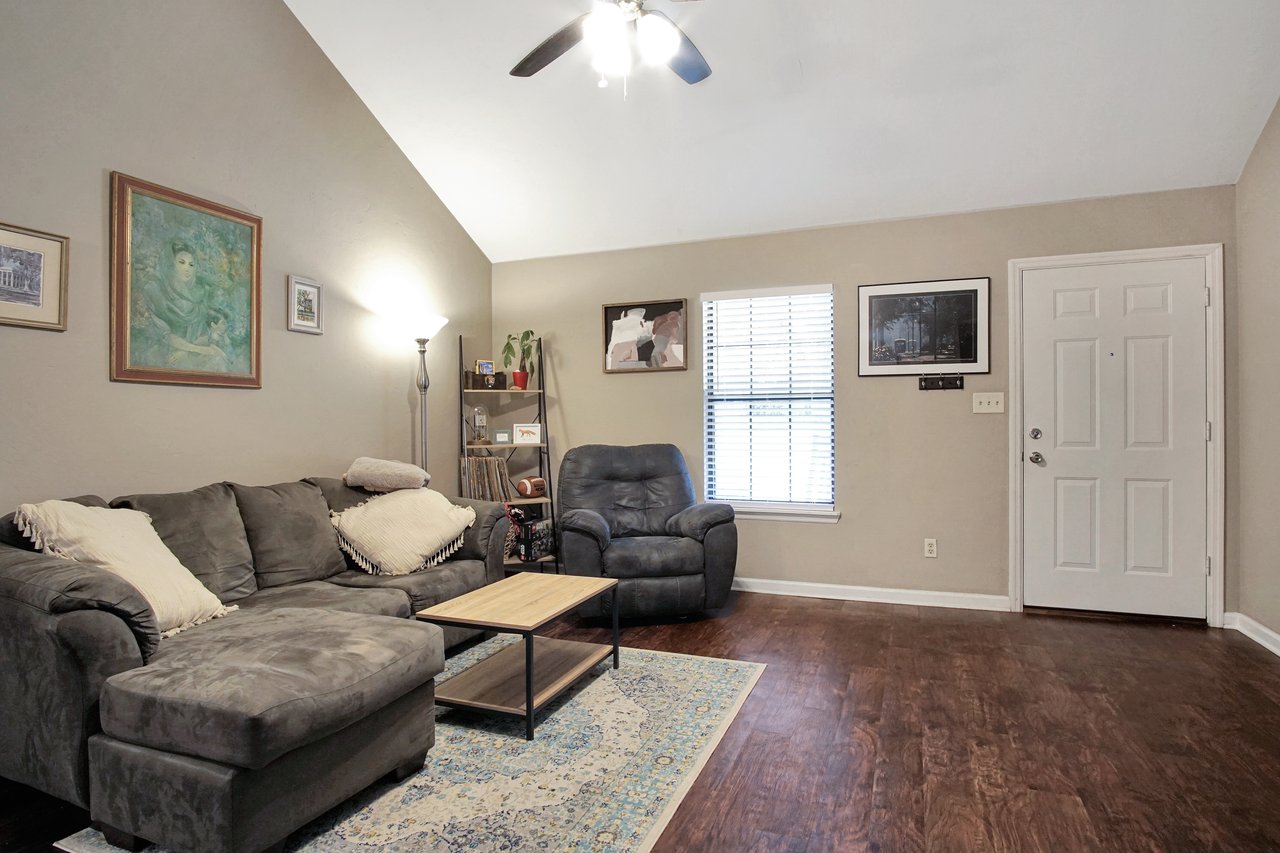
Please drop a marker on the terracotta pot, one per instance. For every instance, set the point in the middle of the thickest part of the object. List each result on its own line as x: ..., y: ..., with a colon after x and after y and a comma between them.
x: 520, y: 379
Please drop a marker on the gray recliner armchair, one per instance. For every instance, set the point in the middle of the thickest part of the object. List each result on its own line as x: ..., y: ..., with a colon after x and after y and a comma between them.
x: 630, y: 513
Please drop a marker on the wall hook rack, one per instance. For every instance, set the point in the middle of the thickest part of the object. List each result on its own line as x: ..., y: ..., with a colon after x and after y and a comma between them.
x: 942, y: 382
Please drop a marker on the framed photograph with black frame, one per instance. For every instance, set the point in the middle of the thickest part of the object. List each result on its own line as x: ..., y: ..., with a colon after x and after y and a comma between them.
x: 645, y: 336
x: 917, y: 327
x: 33, y: 278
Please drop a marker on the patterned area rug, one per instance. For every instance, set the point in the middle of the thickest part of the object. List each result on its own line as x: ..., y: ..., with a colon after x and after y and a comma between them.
x: 610, y: 764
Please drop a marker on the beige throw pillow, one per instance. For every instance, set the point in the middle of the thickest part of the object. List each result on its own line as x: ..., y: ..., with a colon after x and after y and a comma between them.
x: 385, y: 475
x: 402, y: 532
x: 123, y: 542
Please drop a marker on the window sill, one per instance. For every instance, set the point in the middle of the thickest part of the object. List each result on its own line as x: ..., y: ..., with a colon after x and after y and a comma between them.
x: 757, y: 512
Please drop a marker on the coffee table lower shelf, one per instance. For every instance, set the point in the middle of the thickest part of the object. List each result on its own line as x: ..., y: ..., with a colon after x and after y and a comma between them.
x: 498, y: 682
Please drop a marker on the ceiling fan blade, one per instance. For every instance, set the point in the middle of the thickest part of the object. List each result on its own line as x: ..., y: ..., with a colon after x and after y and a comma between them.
x: 688, y: 61
x: 550, y: 50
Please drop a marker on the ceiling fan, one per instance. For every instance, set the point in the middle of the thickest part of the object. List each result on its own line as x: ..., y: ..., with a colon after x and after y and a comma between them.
x: 616, y: 30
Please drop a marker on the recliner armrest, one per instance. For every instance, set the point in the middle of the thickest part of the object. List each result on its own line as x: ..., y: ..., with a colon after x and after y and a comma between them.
x: 57, y: 586
x: 694, y: 522
x: 589, y: 523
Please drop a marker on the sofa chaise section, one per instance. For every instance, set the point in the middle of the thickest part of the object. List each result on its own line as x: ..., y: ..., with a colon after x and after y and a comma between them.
x: 251, y: 709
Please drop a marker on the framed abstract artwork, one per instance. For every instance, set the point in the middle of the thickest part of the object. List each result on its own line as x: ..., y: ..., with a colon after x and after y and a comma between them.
x: 918, y: 327
x: 306, y: 306
x: 186, y: 296
x: 33, y: 278
x: 645, y: 336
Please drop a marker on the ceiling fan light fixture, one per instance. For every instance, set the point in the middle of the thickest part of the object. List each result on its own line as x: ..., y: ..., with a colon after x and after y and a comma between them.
x: 658, y: 39
x: 606, y: 33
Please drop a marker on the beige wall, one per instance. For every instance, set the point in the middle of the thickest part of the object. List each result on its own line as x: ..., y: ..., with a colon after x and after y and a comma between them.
x: 909, y: 464
x: 229, y: 100
x: 1257, y: 558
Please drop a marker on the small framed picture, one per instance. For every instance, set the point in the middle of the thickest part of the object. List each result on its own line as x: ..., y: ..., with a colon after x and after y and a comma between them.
x: 502, y: 436
x: 527, y: 433
x: 484, y: 367
x: 306, y: 308
x: 33, y: 279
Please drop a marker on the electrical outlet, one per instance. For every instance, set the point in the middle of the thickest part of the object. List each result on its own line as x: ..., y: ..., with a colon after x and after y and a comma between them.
x: 988, y: 404
x: 931, y: 548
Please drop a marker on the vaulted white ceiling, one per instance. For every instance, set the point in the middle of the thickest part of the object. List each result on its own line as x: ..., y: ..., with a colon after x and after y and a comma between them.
x: 819, y: 112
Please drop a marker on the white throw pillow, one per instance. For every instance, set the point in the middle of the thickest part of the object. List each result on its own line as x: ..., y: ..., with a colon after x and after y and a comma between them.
x: 123, y: 542
x: 402, y: 532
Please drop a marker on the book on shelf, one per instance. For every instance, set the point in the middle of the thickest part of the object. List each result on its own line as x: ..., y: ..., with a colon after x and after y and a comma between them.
x: 485, y: 478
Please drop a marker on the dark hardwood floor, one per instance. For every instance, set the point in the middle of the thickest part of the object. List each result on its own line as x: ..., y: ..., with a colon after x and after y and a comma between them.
x: 888, y: 728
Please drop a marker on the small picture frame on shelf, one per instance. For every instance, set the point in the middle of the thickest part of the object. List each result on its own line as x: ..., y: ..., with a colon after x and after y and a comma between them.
x: 484, y: 366
x: 527, y: 433
x: 502, y: 436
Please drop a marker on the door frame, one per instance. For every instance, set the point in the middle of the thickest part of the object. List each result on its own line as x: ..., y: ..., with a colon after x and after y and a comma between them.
x: 1216, y: 409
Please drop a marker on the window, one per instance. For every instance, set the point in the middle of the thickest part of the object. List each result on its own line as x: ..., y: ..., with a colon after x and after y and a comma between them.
x: 769, y: 399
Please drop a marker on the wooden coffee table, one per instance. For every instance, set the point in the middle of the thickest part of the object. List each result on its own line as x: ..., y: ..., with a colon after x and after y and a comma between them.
x: 521, y: 604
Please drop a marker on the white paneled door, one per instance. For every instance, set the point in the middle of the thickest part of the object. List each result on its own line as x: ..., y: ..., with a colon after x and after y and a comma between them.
x: 1115, y: 432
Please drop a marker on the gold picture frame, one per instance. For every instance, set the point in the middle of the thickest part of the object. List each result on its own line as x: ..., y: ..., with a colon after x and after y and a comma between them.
x: 186, y: 288
x: 34, y: 270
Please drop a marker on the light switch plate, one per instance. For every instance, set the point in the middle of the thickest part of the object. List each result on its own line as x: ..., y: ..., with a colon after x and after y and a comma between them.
x: 991, y: 403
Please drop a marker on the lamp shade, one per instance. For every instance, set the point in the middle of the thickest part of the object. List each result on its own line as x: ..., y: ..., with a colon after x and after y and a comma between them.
x: 432, y: 325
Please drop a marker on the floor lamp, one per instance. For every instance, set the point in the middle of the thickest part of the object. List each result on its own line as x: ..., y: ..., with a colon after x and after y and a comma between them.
x: 430, y: 329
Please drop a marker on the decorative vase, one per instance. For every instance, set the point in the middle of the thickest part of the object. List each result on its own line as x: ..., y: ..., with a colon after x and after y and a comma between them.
x: 520, y: 379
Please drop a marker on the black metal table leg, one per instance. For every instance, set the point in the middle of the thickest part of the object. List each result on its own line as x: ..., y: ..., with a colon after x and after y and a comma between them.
x: 528, y: 686
x: 614, y: 608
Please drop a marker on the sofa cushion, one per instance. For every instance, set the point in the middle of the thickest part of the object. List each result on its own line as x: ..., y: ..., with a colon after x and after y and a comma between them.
x: 338, y: 495
x: 425, y: 589
x: 323, y: 595
x: 289, y: 533
x: 652, y: 557
x: 204, y: 531
x: 251, y: 687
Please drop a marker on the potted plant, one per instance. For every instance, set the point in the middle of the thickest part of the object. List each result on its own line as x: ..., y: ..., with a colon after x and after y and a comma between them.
x: 525, y: 342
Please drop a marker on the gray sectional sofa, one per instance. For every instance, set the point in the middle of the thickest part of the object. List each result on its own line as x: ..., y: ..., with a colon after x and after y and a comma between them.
x: 232, y: 734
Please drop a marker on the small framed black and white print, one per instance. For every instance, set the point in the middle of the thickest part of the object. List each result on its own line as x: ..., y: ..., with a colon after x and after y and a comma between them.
x: 33, y: 278
x: 306, y: 306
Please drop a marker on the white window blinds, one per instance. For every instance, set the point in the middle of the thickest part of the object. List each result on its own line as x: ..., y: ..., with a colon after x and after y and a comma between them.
x: 769, y: 396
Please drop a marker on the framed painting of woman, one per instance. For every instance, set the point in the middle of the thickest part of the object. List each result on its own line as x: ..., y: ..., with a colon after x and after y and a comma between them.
x: 186, y: 296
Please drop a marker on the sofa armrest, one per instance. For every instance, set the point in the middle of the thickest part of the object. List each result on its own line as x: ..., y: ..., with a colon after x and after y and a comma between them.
x: 486, y: 539
x: 57, y: 586
x: 694, y: 522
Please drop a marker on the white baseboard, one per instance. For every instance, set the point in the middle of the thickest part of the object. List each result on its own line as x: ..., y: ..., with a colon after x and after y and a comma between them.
x: 875, y: 594
x: 1254, y: 630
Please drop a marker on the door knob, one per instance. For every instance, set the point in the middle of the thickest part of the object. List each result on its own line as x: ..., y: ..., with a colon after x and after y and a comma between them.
x: 1037, y: 457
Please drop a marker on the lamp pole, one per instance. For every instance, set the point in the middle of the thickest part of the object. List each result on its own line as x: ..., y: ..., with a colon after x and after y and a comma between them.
x: 424, y: 382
